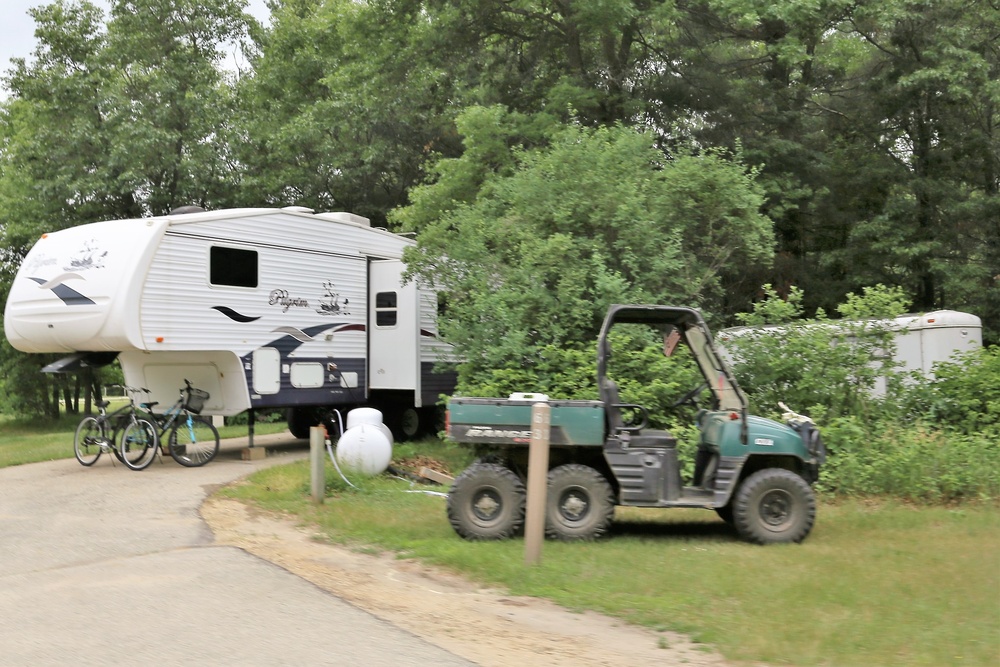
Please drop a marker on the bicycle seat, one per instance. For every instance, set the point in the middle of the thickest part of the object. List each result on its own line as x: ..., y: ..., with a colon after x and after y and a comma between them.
x: 103, y: 404
x: 149, y: 406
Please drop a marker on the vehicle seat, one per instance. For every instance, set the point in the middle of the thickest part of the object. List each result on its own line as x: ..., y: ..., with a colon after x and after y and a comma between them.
x: 631, y: 435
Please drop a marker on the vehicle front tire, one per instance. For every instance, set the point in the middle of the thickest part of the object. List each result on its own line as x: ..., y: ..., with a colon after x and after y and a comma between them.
x: 579, y: 503
x: 774, y: 505
x: 486, y: 502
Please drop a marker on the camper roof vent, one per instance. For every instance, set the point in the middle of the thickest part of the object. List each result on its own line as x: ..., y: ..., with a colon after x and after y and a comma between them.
x: 341, y: 216
x: 297, y: 209
x: 181, y: 210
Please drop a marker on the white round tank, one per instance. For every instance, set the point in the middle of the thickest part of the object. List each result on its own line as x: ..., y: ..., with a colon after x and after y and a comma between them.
x: 363, y: 416
x: 371, y: 416
x: 364, y: 449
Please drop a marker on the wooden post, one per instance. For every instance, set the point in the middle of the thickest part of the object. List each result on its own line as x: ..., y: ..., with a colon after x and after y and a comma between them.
x: 538, y: 474
x: 317, y: 441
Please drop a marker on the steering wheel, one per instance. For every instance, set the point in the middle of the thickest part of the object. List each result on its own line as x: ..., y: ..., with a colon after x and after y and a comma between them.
x: 690, y: 396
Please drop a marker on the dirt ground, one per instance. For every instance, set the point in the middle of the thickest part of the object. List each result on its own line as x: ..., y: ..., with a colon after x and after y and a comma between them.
x: 482, y: 625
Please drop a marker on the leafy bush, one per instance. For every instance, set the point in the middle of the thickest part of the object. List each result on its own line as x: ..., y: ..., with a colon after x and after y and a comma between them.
x: 836, y: 364
x: 965, y: 394
x: 917, y: 439
x: 913, y: 462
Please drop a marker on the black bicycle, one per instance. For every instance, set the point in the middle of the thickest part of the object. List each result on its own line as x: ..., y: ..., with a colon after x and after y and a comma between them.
x: 96, y: 434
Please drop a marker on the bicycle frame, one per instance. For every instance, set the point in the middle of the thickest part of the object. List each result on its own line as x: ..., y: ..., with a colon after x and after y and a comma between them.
x: 197, y: 448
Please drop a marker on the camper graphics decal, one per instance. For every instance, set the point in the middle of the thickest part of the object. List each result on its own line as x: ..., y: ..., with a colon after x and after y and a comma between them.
x: 68, y: 295
x: 303, y: 337
x: 234, y: 316
x: 87, y: 257
x: 332, y: 303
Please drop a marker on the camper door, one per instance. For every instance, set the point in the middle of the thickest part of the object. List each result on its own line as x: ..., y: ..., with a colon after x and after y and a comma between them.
x: 393, y: 328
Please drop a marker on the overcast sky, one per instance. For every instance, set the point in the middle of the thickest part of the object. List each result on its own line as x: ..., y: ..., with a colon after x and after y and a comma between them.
x: 17, y: 28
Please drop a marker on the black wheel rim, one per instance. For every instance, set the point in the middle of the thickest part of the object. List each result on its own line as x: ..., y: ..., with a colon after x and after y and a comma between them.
x: 409, y: 423
x: 487, y: 505
x: 574, y: 505
x: 777, y: 509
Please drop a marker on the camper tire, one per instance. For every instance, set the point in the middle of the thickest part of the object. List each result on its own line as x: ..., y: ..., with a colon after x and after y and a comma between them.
x: 774, y: 505
x: 486, y: 502
x: 300, y: 420
x: 406, y: 423
x: 580, y: 503
x: 410, y: 423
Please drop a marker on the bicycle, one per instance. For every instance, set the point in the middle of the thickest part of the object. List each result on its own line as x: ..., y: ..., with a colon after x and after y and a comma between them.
x: 193, y: 440
x: 95, y: 435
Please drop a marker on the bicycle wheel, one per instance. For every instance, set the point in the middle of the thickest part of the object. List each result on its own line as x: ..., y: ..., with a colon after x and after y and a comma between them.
x: 118, y: 423
x: 138, y: 444
x: 194, y: 445
x: 89, y: 440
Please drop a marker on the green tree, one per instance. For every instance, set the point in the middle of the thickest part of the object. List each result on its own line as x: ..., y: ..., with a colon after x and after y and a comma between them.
x: 825, y: 367
x: 531, y: 252
x: 112, y: 118
x: 345, y: 104
x: 931, y: 108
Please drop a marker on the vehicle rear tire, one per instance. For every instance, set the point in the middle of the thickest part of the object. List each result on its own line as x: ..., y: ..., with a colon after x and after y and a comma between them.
x: 88, y: 440
x: 139, y: 445
x: 580, y: 503
x: 486, y: 502
x: 197, y: 446
x: 774, y: 505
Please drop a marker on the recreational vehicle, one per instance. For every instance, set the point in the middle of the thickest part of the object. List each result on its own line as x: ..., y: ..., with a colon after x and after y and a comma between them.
x: 261, y: 308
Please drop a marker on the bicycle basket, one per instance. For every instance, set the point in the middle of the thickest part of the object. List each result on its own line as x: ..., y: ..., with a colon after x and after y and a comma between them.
x: 195, y: 400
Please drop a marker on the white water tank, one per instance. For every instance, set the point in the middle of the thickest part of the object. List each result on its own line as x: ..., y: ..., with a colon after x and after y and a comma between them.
x: 364, y: 450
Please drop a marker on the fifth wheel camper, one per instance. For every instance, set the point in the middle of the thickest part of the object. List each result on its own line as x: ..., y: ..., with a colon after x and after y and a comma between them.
x: 262, y: 308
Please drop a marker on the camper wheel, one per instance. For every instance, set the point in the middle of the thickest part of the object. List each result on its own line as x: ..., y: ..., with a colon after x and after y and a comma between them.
x: 300, y: 420
x: 406, y: 423
x: 409, y: 423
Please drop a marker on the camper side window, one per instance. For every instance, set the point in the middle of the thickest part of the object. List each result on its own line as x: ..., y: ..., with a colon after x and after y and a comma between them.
x: 385, y: 309
x: 232, y: 266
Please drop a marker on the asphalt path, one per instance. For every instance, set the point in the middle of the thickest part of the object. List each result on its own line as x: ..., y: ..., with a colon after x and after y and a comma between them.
x: 107, y: 566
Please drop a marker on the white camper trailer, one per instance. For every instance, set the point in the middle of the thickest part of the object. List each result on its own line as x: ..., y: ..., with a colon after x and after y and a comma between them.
x: 262, y: 308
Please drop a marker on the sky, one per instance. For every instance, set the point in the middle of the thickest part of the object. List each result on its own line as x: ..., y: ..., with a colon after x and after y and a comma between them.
x: 17, y: 28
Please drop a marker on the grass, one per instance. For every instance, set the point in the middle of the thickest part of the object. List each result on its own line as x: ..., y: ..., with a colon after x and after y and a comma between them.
x: 877, y: 583
x: 30, y: 441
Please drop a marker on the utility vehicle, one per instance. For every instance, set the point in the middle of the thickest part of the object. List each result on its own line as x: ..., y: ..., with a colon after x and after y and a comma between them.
x: 757, y: 474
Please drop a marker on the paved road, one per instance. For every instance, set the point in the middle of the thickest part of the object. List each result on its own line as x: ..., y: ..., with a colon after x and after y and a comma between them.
x: 106, y: 566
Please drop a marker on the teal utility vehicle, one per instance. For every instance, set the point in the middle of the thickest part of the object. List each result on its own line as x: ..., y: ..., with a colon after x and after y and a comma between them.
x: 757, y: 474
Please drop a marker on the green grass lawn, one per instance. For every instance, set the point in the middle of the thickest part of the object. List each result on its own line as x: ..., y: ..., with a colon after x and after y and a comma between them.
x: 877, y: 583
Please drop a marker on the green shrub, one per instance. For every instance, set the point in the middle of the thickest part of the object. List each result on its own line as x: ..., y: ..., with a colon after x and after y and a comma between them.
x: 965, y: 394
x: 806, y: 362
x: 912, y: 462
